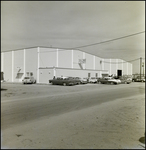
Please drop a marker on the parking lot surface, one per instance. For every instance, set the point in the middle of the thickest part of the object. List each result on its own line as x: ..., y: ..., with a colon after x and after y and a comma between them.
x: 83, y: 116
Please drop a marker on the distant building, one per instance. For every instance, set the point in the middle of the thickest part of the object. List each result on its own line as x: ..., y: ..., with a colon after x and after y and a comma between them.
x: 45, y: 63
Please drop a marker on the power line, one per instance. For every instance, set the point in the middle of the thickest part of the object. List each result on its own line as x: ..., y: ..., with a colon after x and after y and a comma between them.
x: 120, y: 62
x: 109, y: 40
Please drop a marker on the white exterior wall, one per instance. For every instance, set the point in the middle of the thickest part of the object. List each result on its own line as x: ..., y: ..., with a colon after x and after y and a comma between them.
x: 89, y: 61
x: 7, y: 63
x: 75, y: 72
x: 98, y: 64
x: 31, y: 63
x: 2, y: 62
x: 107, y: 64
x: 18, y: 65
x: 47, y: 57
x: 65, y: 58
x: 124, y: 67
x: 45, y: 75
x: 32, y: 60
x: 76, y: 56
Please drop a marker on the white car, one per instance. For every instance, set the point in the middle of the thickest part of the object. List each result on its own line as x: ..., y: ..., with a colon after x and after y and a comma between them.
x: 28, y: 80
x: 109, y: 80
x: 84, y: 80
x: 92, y: 80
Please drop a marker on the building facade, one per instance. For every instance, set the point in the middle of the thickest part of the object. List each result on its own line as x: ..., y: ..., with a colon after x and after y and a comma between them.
x: 44, y: 63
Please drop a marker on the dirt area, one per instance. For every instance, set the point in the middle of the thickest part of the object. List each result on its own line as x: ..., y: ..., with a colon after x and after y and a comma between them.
x: 120, y: 126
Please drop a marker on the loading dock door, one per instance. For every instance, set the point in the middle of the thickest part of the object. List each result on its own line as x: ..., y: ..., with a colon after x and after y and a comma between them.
x: 119, y: 72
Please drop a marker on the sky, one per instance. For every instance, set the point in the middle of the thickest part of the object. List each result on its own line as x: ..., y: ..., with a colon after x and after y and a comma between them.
x: 107, y: 29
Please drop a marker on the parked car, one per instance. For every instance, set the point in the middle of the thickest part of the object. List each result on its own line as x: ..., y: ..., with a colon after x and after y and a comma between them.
x: 125, y: 80
x: 28, y: 80
x: 77, y: 79
x: 63, y: 81
x: 108, y: 80
x: 92, y: 80
x: 83, y: 80
x: 137, y: 79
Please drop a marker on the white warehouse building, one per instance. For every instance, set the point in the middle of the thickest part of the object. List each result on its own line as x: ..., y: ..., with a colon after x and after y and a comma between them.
x: 44, y: 63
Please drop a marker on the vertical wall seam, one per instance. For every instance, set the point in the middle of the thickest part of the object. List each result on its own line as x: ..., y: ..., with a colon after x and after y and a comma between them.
x: 94, y: 62
x: 57, y: 59
x: 127, y: 68
x: 38, y: 66
x: 12, y: 66
x: 24, y: 62
x: 122, y: 67
x: 110, y: 67
x: 102, y: 64
x: 116, y: 66
x: 131, y: 69
x: 84, y: 63
x: 72, y: 58
x: 2, y: 55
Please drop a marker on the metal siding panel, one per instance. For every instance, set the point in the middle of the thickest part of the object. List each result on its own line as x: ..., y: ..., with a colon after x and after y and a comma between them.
x: 65, y: 58
x: 89, y: 61
x: 18, y: 64
x: 31, y: 61
x: 8, y: 66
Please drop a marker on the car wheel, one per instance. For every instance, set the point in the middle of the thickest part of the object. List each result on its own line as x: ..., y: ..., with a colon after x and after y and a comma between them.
x: 64, y: 84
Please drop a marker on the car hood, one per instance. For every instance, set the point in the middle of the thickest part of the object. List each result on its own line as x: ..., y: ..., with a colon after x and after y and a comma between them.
x: 115, y: 80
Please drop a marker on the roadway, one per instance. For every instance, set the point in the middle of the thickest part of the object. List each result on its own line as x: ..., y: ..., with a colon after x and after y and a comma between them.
x: 26, y: 104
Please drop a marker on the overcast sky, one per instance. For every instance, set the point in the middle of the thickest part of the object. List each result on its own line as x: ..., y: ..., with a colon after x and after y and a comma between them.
x: 71, y: 24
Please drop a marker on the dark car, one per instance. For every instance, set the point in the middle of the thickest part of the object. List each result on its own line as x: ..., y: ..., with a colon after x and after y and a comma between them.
x: 63, y: 81
x: 76, y: 79
x: 125, y: 80
x: 138, y: 79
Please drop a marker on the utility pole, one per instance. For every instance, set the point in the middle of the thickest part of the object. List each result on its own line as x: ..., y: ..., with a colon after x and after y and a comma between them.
x: 143, y: 68
x: 140, y: 66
